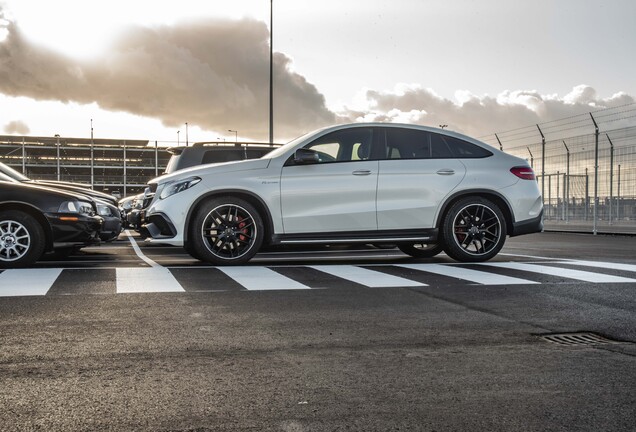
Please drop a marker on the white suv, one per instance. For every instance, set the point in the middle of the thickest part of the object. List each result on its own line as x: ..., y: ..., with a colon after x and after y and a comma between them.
x: 424, y: 189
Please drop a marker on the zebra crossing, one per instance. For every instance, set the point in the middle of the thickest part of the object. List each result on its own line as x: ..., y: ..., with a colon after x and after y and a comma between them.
x: 158, y: 279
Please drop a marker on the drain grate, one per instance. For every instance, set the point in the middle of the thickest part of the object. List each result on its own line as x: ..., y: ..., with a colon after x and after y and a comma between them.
x: 579, y: 338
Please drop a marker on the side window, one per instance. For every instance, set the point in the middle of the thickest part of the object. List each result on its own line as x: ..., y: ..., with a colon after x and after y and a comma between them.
x: 415, y: 144
x: 224, y: 155
x: 344, y: 146
x: 465, y: 150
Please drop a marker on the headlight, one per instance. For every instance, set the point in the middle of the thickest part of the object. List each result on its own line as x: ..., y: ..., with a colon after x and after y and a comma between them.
x: 104, y: 210
x: 81, y: 207
x: 178, y: 186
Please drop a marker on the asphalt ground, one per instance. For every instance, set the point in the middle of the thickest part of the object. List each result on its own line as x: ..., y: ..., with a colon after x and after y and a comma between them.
x: 443, y: 354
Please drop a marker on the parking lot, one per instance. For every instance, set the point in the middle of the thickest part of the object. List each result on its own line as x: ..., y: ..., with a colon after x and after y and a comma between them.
x: 132, y: 336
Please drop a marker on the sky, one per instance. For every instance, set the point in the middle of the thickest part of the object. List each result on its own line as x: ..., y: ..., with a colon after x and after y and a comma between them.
x: 143, y: 69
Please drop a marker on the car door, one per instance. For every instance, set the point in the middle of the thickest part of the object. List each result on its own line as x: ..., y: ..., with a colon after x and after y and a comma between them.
x: 337, y: 193
x: 416, y: 176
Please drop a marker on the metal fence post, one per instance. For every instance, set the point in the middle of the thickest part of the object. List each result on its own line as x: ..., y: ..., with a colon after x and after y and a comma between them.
x: 595, y: 175
x: 499, y: 141
x: 587, y: 194
x: 566, y: 184
x: 611, y: 190
x: 542, y: 162
x: 618, y: 195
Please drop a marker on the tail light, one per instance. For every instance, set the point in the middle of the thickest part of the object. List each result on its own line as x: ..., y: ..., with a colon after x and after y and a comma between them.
x: 525, y: 173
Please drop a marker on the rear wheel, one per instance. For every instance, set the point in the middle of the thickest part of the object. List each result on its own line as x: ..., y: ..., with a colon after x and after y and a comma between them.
x: 421, y: 250
x: 226, y: 231
x: 474, y: 230
x: 21, y: 239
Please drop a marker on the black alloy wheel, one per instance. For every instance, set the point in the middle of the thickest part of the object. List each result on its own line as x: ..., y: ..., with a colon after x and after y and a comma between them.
x: 474, y: 230
x: 21, y: 239
x: 227, y: 231
x: 421, y: 250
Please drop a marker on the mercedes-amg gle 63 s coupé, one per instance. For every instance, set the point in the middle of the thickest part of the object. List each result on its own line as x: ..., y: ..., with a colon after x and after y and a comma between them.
x: 424, y: 189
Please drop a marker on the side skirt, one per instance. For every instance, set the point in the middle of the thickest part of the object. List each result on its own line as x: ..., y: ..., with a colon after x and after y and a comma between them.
x: 407, y: 236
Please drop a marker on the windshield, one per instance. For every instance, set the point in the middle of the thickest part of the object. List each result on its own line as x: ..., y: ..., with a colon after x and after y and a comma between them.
x: 10, y: 172
x: 280, y: 150
x: 4, y: 177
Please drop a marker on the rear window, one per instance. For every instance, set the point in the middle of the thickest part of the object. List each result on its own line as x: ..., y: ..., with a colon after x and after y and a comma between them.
x: 415, y: 144
x: 225, y: 155
x: 464, y: 150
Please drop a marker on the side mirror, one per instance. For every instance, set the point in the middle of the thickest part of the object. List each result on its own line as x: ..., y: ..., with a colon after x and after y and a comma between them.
x: 306, y: 156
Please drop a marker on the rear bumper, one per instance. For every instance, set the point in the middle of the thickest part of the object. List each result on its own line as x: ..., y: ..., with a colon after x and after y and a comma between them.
x: 528, y: 226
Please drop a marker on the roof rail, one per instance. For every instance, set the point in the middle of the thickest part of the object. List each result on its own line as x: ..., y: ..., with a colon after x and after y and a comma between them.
x: 234, y: 144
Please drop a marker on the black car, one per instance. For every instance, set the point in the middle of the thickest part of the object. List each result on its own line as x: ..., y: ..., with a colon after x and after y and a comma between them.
x: 106, y: 204
x: 215, y: 152
x: 73, y: 187
x: 35, y: 219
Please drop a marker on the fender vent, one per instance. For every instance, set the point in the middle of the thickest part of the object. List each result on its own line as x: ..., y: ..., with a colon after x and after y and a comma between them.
x: 578, y: 338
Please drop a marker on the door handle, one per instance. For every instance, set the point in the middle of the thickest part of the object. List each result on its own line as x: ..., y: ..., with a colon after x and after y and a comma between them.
x: 446, y: 171
x: 361, y: 172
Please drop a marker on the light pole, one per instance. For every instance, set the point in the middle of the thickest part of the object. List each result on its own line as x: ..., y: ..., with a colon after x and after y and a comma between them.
x: 271, y: 71
x: 92, y: 158
x: 178, y: 138
x: 57, y: 137
x: 235, y: 135
x: 186, y: 134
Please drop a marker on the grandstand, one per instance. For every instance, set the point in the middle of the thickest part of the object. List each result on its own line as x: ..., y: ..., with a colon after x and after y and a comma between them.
x: 116, y: 166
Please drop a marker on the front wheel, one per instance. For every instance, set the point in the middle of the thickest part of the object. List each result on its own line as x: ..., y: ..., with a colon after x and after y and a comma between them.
x: 474, y: 230
x: 21, y: 239
x: 226, y: 231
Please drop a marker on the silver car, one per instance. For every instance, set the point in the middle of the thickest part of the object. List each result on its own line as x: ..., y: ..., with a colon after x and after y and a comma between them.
x: 424, y: 189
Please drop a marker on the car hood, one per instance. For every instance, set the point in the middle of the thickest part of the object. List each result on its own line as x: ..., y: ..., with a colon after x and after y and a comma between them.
x: 84, y: 190
x: 216, y: 168
x: 30, y: 189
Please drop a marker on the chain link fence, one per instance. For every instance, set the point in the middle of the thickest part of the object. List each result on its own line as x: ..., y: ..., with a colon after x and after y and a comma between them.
x: 585, y: 166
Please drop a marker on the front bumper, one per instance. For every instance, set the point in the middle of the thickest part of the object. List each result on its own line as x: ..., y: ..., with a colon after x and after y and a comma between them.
x: 74, y: 230
x: 160, y: 226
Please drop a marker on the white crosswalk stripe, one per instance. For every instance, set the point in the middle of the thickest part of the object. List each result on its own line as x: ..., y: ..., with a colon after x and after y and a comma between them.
x: 563, y: 272
x: 31, y: 282
x: 261, y: 278
x: 369, y: 278
x: 146, y: 279
x: 157, y: 279
x: 479, y: 277
x: 605, y: 265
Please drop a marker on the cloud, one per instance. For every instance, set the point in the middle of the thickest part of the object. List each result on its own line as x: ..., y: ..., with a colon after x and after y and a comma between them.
x: 16, y: 127
x: 211, y: 73
x: 478, y: 115
x: 214, y: 74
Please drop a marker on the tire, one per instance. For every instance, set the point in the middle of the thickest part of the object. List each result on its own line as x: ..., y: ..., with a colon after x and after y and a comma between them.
x: 421, y: 250
x: 226, y: 231
x: 474, y: 230
x: 21, y: 239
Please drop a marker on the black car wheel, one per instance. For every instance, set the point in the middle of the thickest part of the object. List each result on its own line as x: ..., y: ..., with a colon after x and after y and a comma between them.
x: 421, y: 250
x: 226, y: 231
x: 21, y: 239
x: 474, y: 230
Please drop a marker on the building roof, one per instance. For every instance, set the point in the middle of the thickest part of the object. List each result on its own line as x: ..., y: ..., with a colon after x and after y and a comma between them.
x: 105, y: 142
